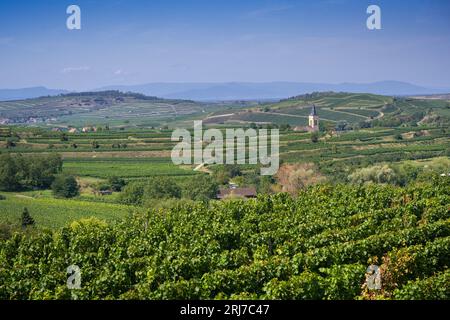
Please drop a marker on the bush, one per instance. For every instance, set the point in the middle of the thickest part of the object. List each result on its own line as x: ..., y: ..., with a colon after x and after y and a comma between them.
x: 65, y: 186
x: 116, y: 183
x: 374, y: 174
x: 6, y: 230
x: 10, y: 174
x: 201, y: 188
x: 27, y: 220
x: 162, y: 188
x: 315, y: 137
x: 132, y: 193
x: 36, y: 171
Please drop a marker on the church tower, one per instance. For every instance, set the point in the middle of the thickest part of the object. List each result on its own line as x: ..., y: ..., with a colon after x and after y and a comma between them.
x: 314, y: 119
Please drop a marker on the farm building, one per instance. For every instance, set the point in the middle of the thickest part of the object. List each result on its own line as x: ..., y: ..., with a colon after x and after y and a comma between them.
x: 249, y: 192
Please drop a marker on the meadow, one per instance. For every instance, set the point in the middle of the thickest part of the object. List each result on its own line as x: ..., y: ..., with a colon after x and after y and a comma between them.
x: 52, y: 213
x: 124, y: 167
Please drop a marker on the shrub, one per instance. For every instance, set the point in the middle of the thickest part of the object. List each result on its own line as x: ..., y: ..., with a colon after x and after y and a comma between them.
x: 27, y: 220
x: 116, y: 183
x: 132, y: 193
x: 65, y: 186
x: 374, y: 174
x: 162, y: 188
x: 201, y: 188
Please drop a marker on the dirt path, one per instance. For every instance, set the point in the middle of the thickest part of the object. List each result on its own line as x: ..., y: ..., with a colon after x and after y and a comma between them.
x: 23, y: 196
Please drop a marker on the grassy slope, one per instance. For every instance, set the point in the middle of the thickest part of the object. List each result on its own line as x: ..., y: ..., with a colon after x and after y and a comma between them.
x: 336, y: 107
x: 55, y: 213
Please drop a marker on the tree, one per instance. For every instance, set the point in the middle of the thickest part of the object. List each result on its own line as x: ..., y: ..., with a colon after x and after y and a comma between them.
x: 9, y: 173
x: 27, y: 220
x: 315, y: 137
x: 201, y: 188
x: 64, y: 137
x: 226, y: 172
x: 95, y: 144
x: 116, y: 183
x: 10, y: 143
x: 65, y: 186
x: 295, y: 177
x: 374, y: 174
x: 162, y: 188
x: 132, y: 193
x: 40, y: 171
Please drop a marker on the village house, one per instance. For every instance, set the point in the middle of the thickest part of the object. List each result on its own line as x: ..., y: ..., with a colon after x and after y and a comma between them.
x: 89, y: 129
x: 248, y: 192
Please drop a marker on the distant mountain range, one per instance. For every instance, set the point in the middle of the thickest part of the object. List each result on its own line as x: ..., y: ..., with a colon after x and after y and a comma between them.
x: 270, y: 90
x: 28, y: 93
x: 239, y: 90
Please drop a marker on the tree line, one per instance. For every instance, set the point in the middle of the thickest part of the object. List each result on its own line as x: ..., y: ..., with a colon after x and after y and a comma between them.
x: 18, y: 172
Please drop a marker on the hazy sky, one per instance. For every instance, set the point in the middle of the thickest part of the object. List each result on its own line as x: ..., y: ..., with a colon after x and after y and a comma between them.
x: 132, y: 42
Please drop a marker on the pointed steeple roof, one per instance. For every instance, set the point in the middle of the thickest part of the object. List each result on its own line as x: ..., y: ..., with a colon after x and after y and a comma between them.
x: 313, y: 111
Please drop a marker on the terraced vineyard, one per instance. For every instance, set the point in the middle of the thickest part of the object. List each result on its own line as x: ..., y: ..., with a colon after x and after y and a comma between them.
x: 126, y: 168
x: 105, y: 107
x: 335, y: 107
x: 314, y: 246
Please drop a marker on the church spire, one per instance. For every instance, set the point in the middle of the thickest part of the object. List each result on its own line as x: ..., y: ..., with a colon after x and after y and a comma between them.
x: 313, y: 110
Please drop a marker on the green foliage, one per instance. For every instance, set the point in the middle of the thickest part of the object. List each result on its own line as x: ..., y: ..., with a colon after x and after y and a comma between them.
x: 133, y: 193
x: 65, y: 186
x: 37, y: 171
x: 315, y: 246
x: 27, y: 220
x: 6, y: 230
x: 9, y: 173
x: 162, y: 188
x: 42, y: 170
x: 223, y: 174
x: 64, y: 137
x: 54, y: 213
x: 436, y: 287
x: 116, y: 183
x: 375, y: 174
x: 201, y: 188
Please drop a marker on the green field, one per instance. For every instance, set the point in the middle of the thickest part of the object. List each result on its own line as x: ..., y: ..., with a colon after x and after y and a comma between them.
x: 56, y: 213
x: 126, y: 168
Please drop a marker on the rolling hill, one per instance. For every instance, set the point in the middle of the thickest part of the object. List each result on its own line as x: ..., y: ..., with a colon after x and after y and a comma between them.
x: 336, y: 107
x: 116, y: 108
x: 105, y: 107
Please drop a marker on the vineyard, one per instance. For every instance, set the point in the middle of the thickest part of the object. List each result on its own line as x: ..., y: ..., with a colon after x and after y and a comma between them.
x: 314, y: 246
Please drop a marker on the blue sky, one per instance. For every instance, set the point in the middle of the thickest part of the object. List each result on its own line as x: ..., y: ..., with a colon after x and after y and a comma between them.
x: 133, y: 42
